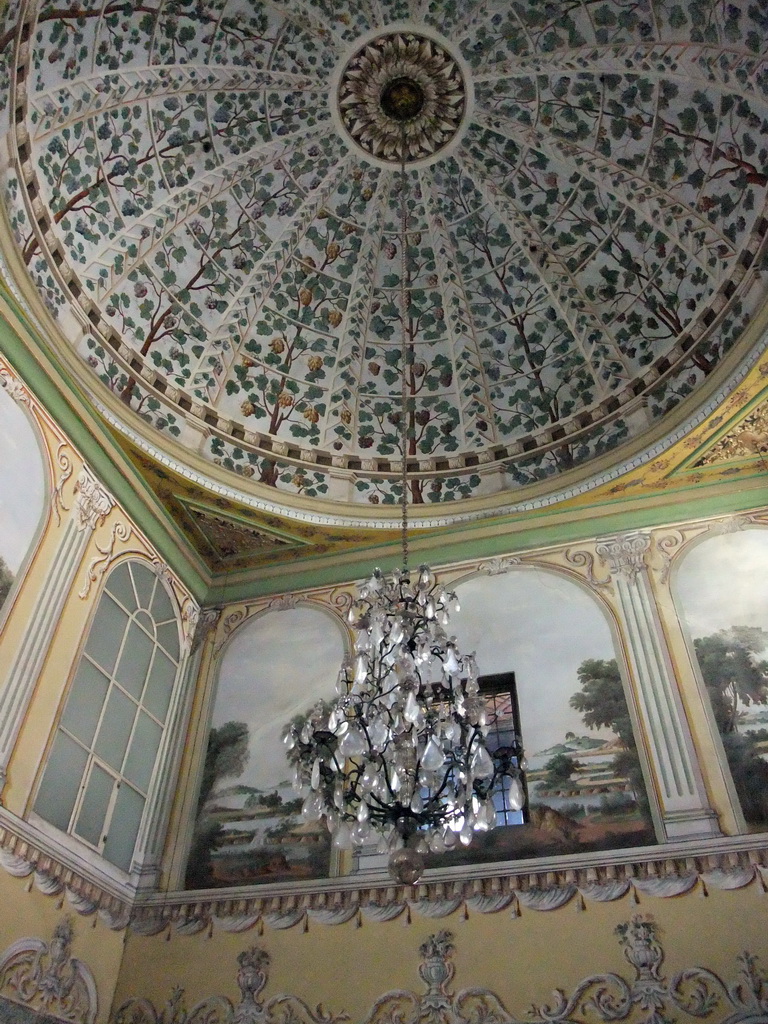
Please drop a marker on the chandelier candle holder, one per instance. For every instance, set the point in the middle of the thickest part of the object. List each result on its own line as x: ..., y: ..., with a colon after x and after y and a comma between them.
x: 400, y: 756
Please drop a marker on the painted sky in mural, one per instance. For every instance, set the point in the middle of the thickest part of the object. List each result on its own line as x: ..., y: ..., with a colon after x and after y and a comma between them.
x: 724, y: 582
x: 22, y: 490
x: 274, y: 668
x: 540, y: 627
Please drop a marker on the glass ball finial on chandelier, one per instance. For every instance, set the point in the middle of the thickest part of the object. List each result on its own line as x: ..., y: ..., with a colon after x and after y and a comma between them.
x: 399, y: 758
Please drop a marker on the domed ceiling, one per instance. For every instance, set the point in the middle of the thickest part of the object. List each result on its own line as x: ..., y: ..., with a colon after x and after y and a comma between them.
x: 207, y: 193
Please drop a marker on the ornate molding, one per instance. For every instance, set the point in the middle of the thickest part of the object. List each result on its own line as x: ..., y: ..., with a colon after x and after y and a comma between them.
x: 284, y: 603
x: 668, y: 546
x: 45, y: 977
x: 92, y: 502
x: 695, y: 991
x: 66, y: 468
x: 625, y: 553
x: 516, y: 891
x: 252, y: 977
x: 498, y: 566
x: 13, y: 386
x: 491, y: 889
x: 99, y: 565
x: 585, y: 562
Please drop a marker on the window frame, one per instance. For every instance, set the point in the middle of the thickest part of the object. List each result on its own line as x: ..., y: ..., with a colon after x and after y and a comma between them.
x: 168, y: 647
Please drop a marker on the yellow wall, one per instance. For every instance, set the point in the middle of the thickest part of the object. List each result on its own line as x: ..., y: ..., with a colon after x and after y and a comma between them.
x: 523, y: 960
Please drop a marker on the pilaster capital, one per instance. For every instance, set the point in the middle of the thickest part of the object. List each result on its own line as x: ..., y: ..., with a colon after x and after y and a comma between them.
x: 92, y: 502
x: 205, y: 622
x: 625, y: 553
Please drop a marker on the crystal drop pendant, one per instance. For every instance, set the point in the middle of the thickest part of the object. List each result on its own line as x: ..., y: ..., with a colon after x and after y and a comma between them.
x: 312, y: 808
x: 360, y: 833
x: 315, y: 778
x: 378, y: 734
x: 516, y: 794
x: 352, y: 742
x: 465, y: 836
x: 417, y: 804
x: 433, y: 758
x: 482, y: 765
x: 362, y: 811
x: 342, y: 837
x: 412, y: 710
x: 437, y: 843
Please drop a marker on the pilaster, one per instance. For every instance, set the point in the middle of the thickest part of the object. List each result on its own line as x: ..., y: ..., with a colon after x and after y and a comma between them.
x: 91, y: 505
x: 684, y: 807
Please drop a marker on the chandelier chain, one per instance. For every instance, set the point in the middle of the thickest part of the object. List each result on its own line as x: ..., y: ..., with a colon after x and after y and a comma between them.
x: 404, y: 310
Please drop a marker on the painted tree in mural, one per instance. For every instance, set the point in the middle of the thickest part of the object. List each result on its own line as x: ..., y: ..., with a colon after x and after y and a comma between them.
x: 6, y: 580
x: 602, y: 704
x: 226, y: 757
x: 736, y: 678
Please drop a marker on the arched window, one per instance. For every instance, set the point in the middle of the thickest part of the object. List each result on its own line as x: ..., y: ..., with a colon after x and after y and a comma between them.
x: 100, y: 766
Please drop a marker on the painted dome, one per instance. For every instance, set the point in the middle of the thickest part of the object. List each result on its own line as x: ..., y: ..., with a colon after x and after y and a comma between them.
x: 207, y: 193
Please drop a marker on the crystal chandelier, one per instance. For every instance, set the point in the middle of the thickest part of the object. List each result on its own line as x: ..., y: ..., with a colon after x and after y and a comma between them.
x: 399, y: 758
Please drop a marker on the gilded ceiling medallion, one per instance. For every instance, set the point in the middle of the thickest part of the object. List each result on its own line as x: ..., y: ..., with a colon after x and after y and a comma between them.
x: 402, y: 86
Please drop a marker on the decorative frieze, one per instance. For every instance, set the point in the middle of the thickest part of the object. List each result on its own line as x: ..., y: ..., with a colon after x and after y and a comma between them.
x: 512, y: 887
x: 696, y: 992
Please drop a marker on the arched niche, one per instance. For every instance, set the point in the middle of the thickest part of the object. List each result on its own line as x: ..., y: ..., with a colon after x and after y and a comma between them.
x: 545, y: 628
x: 247, y: 831
x: 22, y: 495
x: 720, y: 588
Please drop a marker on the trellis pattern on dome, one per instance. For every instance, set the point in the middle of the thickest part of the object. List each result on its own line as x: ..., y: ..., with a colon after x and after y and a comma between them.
x: 581, y: 260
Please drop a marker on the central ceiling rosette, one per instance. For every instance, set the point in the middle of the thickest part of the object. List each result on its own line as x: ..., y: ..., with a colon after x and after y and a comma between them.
x: 207, y: 197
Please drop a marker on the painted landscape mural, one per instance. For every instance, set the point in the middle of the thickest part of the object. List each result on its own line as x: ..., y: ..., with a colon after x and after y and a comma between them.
x: 21, y: 493
x: 585, y: 783
x: 722, y: 590
x: 248, y: 829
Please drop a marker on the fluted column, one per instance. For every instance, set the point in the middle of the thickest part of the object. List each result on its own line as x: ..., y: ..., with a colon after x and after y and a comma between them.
x: 90, y: 507
x: 684, y: 807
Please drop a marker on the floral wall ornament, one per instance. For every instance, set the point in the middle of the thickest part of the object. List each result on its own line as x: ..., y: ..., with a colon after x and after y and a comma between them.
x: 252, y: 977
x: 45, y: 977
x: 694, y: 991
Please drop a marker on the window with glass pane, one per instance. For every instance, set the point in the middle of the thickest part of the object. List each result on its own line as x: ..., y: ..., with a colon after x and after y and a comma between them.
x: 504, y: 735
x: 103, y: 755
